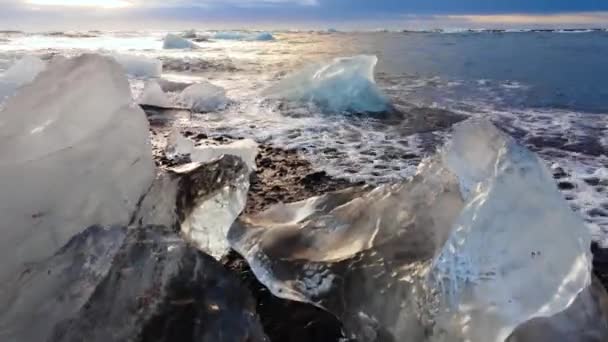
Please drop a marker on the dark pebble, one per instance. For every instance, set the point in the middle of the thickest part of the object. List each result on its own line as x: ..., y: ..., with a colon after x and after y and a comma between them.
x: 596, y: 212
x: 593, y: 181
x: 566, y: 186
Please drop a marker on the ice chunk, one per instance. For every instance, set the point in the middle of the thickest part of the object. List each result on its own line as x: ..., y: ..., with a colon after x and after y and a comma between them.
x: 153, y: 95
x: 204, y: 97
x: 264, y: 36
x: 208, y: 223
x: 75, y: 153
x: 21, y: 73
x: 246, y: 149
x: 172, y: 86
x: 140, y: 66
x: 173, y: 41
x: 343, y: 85
x: 233, y: 35
x: 189, y: 34
x: 478, y: 243
x: 229, y: 36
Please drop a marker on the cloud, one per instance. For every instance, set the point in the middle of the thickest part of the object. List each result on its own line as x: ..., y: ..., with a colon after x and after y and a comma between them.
x: 535, y: 19
x: 160, y: 3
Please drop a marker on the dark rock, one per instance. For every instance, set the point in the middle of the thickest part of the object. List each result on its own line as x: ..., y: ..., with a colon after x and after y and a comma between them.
x: 566, y: 186
x: 595, y: 212
x: 559, y: 173
x: 593, y: 181
x: 160, y: 288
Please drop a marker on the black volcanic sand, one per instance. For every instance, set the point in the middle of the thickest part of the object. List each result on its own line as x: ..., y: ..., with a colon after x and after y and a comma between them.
x: 284, y: 176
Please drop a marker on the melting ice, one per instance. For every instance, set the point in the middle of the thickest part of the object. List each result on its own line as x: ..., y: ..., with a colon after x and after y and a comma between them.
x: 343, y: 85
x: 455, y: 254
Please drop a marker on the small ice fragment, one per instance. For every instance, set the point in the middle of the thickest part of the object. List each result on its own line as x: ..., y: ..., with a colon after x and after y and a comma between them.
x: 343, y: 85
x: 264, y: 36
x: 246, y: 149
x: 173, y: 41
x: 204, y: 97
x: 140, y: 66
x: 153, y: 95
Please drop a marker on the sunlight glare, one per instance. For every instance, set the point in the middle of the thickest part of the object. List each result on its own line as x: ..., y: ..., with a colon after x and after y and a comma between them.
x: 82, y: 3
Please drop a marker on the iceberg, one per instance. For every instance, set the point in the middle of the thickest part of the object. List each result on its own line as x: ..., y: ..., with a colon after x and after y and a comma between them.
x: 231, y: 35
x: 345, y: 85
x: 204, y: 97
x: 476, y: 244
x: 21, y: 73
x: 153, y: 95
x: 263, y: 37
x: 140, y: 66
x: 173, y: 41
x: 84, y: 135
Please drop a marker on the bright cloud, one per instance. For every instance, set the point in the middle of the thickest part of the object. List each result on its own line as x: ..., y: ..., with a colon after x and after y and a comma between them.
x: 529, y: 19
x: 82, y: 3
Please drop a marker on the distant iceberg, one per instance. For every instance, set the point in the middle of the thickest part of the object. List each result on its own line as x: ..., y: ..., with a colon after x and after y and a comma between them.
x: 235, y: 35
x: 140, y: 66
x: 264, y: 36
x: 476, y: 244
x: 173, y: 41
x: 343, y: 85
x: 204, y: 97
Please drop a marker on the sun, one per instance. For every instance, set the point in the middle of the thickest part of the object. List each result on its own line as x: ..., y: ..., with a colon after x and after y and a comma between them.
x: 82, y: 3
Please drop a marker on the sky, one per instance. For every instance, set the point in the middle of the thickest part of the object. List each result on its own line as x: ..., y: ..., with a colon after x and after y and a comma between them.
x: 341, y: 14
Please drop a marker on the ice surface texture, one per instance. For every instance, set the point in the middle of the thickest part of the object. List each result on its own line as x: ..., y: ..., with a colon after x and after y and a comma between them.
x: 140, y: 66
x: 153, y: 95
x: 204, y: 97
x: 73, y: 128
x: 476, y: 244
x: 21, y: 73
x: 173, y: 41
x: 343, y: 85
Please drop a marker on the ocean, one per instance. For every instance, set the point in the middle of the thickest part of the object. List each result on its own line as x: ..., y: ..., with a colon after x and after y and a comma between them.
x: 547, y: 89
